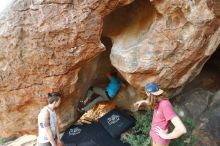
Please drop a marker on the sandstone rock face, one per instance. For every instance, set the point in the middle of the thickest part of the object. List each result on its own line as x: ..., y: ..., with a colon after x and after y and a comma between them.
x: 26, y: 140
x: 52, y: 45
x: 99, y: 110
x: 167, y: 41
x: 45, y: 46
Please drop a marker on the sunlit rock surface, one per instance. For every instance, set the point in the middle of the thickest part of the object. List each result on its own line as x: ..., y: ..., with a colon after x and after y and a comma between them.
x: 55, y: 45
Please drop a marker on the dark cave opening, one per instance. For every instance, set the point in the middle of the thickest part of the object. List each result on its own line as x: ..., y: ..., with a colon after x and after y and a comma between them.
x: 123, y: 28
x: 209, y: 77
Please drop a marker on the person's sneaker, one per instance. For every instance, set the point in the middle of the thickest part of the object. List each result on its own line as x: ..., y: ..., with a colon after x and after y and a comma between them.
x: 80, y: 110
x: 81, y: 102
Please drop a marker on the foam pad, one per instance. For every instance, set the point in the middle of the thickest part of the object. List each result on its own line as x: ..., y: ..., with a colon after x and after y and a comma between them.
x: 116, y: 122
x: 89, y: 135
x: 70, y: 145
x: 89, y: 143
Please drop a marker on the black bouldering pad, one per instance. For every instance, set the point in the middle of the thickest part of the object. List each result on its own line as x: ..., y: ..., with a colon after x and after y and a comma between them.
x: 89, y: 135
x: 116, y: 122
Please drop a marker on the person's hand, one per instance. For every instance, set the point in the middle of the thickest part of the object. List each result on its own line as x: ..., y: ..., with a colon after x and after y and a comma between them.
x: 60, y: 143
x: 138, y: 104
x: 162, y: 133
x: 54, y: 142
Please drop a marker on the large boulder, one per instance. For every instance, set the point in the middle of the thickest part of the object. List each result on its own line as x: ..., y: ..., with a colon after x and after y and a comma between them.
x: 52, y: 45
x: 163, y: 41
x: 45, y: 46
x: 202, y: 107
x: 208, y: 129
x: 212, y: 116
x: 194, y: 103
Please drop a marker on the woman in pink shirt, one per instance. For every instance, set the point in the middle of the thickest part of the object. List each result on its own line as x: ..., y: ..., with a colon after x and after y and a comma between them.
x: 163, y: 115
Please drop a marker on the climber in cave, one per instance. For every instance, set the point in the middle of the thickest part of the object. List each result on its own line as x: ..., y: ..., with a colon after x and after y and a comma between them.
x: 163, y: 114
x: 48, y: 133
x: 106, y: 94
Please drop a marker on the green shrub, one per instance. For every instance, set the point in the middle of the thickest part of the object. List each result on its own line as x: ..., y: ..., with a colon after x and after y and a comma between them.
x: 2, y: 141
x: 187, y: 139
x: 139, y: 134
x: 6, y: 140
